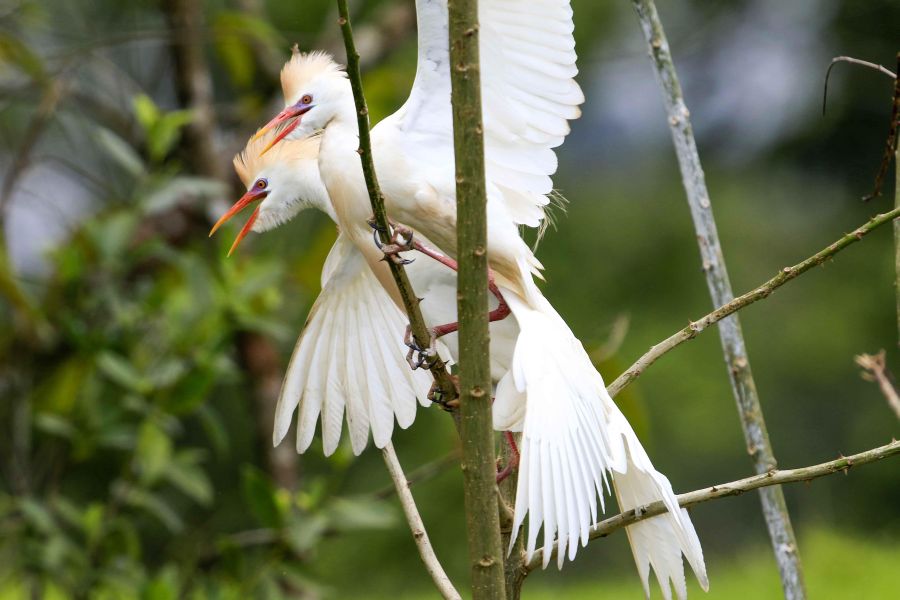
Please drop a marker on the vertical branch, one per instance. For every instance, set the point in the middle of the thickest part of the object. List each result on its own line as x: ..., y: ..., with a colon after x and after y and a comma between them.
x: 515, y: 568
x: 897, y: 232
x: 476, y: 427
x: 193, y: 84
x: 410, y: 301
x: 432, y: 565
x: 757, y: 438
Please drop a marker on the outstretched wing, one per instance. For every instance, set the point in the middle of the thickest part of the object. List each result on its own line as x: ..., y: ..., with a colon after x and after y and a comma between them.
x: 350, y: 360
x: 528, y: 95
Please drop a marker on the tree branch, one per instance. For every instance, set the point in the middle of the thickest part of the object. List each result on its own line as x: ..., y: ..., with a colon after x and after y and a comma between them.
x: 736, y: 488
x: 422, y: 473
x: 410, y: 301
x: 476, y: 427
x: 432, y: 565
x: 694, y: 328
x: 775, y: 511
x: 875, y: 369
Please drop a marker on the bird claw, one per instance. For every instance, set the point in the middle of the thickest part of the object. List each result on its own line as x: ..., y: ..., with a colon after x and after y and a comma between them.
x: 401, y: 240
x: 436, y: 395
x: 417, y: 357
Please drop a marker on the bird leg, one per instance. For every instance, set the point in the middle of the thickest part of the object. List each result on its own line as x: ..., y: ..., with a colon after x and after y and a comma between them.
x: 403, y: 240
x: 514, y: 459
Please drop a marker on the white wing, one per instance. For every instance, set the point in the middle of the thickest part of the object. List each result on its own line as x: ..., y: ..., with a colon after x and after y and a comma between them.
x: 528, y: 95
x: 350, y: 359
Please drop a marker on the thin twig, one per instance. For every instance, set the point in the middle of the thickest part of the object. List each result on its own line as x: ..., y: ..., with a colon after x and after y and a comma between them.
x: 897, y: 232
x: 432, y: 564
x: 422, y: 473
x: 694, y: 328
x: 855, y: 61
x: 54, y: 91
x: 875, y: 369
x: 735, y: 488
x: 410, y: 300
x: 734, y: 349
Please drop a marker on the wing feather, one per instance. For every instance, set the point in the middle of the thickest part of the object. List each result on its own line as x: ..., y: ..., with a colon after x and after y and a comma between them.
x: 348, y: 361
x: 528, y: 95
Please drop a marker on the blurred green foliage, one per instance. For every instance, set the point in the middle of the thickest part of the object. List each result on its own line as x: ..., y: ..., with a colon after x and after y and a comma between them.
x: 136, y: 460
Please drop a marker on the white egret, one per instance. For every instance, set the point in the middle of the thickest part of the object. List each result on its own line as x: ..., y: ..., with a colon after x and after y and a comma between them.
x: 573, y: 434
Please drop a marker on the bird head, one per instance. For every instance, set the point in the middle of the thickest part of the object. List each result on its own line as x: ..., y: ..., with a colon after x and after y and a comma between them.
x: 280, y: 183
x: 315, y: 91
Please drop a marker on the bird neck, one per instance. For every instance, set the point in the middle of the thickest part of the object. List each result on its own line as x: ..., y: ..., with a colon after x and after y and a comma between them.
x: 342, y: 174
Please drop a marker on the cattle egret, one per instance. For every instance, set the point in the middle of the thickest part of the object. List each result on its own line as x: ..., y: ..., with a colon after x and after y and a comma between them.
x: 573, y: 435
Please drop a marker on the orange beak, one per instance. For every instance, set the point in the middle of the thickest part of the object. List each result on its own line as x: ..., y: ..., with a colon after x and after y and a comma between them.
x: 244, y: 202
x: 295, y: 112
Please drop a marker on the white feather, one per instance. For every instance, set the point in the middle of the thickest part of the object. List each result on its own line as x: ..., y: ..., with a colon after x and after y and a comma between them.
x: 572, y: 435
x: 349, y: 361
x: 528, y: 95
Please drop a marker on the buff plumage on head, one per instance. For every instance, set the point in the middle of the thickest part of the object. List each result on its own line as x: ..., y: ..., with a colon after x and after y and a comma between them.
x: 302, y: 68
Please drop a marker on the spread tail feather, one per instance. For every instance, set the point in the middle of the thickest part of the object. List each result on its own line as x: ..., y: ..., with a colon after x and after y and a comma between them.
x: 349, y: 361
x: 573, y: 438
x: 660, y: 541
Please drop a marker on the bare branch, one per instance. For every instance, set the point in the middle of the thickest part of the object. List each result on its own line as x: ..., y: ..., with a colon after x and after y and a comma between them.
x: 422, y: 473
x: 432, y: 565
x: 855, y: 61
x: 54, y: 91
x: 734, y: 348
x: 694, y: 328
x: 875, y: 369
x: 736, y: 488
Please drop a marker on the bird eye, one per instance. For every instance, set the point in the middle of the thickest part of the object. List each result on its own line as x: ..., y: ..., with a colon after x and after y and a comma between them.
x: 261, y: 184
x: 306, y: 99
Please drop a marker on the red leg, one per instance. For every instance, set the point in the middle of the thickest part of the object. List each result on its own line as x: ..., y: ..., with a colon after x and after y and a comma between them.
x: 514, y: 459
x: 402, y: 240
x: 498, y: 314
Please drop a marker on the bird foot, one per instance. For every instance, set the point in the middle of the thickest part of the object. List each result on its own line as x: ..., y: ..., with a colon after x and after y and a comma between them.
x: 417, y: 357
x: 436, y: 395
x: 401, y: 240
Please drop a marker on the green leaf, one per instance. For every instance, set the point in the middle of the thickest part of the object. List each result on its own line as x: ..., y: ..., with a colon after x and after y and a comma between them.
x: 13, y: 51
x: 348, y: 514
x: 37, y: 515
x: 92, y: 523
x: 185, y: 474
x: 154, y: 452
x: 155, y: 506
x: 162, y: 587
x: 172, y: 191
x: 117, y: 437
x: 122, y: 372
x: 304, y: 532
x: 119, y: 151
x: 163, y: 135
x: 145, y: 111
x: 259, y: 493
x: 214, y: 427
x: 67, y: 511
x: 55, y: 425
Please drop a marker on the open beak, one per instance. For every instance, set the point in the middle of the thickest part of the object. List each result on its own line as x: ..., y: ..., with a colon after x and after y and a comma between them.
x: 295, y: 112
x: 245, y: 201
